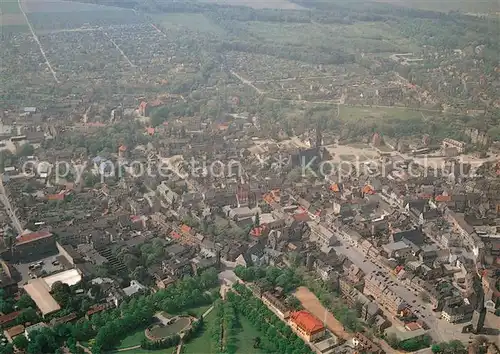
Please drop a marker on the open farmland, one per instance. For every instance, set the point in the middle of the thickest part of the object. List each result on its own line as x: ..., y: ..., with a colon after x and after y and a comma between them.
x: 195, y: 22
x: 258, y: 4
x: 481, y: 6
x: 9, y: 7
x: 46, y: 15
x: 11, y: 18
x: 368, y: 37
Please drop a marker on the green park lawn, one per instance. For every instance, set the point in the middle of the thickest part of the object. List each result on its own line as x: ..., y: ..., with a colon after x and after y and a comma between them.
x: 198, y: 311
x: 132, y: 339
x: 202, y: 343
x: 142, y: 351
x: 245, y: 337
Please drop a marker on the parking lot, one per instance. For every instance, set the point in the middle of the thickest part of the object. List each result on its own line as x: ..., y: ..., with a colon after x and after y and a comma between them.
x: 47, y: 268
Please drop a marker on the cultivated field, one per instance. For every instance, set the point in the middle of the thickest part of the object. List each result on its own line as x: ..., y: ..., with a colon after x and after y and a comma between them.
x: 187, y: 21
x: 9, y: 7
x: 479, y: 6
x: 367, y: 37
x: 259, y: 4
x: 11, y: 18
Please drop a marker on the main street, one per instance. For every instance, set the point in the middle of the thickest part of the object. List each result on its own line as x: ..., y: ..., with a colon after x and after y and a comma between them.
x: 369, y: 265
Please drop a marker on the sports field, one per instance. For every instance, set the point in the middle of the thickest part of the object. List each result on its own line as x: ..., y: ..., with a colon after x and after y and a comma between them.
x: 311, y: 303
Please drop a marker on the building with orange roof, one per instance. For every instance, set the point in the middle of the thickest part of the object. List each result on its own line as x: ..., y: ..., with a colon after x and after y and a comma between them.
x: 186, y: 229
x: 443, y: 198
x: 367, y: 189
x: 307, y: 325
x: 335, y: 187
x: 175, y: 235
x: 143, y: 106
x: 13, y: 332
x: 150, y: 131
x: 258, y: 231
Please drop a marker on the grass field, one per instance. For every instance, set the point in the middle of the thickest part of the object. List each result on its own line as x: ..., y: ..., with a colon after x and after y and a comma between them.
x: 133, y: 339
x: 245, y: 338
x: 367, y: 36
x: 191, y: 21
x: 478, y: 6
x: 349, y: 113
x: 201, y: 344
x: 198, y: 311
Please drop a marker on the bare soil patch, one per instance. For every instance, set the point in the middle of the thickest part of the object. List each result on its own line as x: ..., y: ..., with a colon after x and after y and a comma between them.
x: 311, y: 303
x: 12, y: 19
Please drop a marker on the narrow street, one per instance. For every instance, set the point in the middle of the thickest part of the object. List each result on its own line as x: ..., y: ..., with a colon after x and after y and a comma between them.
x: 35, y: 37
x: 8, y: 208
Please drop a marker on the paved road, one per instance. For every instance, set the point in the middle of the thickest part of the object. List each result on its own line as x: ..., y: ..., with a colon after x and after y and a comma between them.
x: 247, y: 82
x: 371, y: 265
x: 8, y: 208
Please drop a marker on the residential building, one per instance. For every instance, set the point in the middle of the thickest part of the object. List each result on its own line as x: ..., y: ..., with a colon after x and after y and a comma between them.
x: 307, y: 325
x: 451, y: 143
x: 376, y: 287
x: 9, y: 319
x: 398, y: 249
x: 365, y: 345
x: 456, y: 312
x: 13, y: 332
x: 32, y: 245
x: 321, y: 235
x: 275, y: 305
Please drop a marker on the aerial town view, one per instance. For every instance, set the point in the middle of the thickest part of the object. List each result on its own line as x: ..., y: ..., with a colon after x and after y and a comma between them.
x: 249, y: 176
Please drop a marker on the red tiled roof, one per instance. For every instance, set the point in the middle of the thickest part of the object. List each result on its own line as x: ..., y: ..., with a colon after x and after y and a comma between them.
x: 32, y: 237
x: 96, y: 309
x: 443, y: 198
x: 413, y: 326
x: 175, y: 235
x: 65, y: 319
x: 143, y: 105
x: 150, y: 131
x: 185, y: 228
x: 9, y: 317
x: 302, y: 217
x: 122, y: 148
x: 59, y: 196
x: 368, y: 189
x: 307, y: 321
x: 157, y: 103
x: 135, y: 218
x: 258, y: 231
x: 15, y: 331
